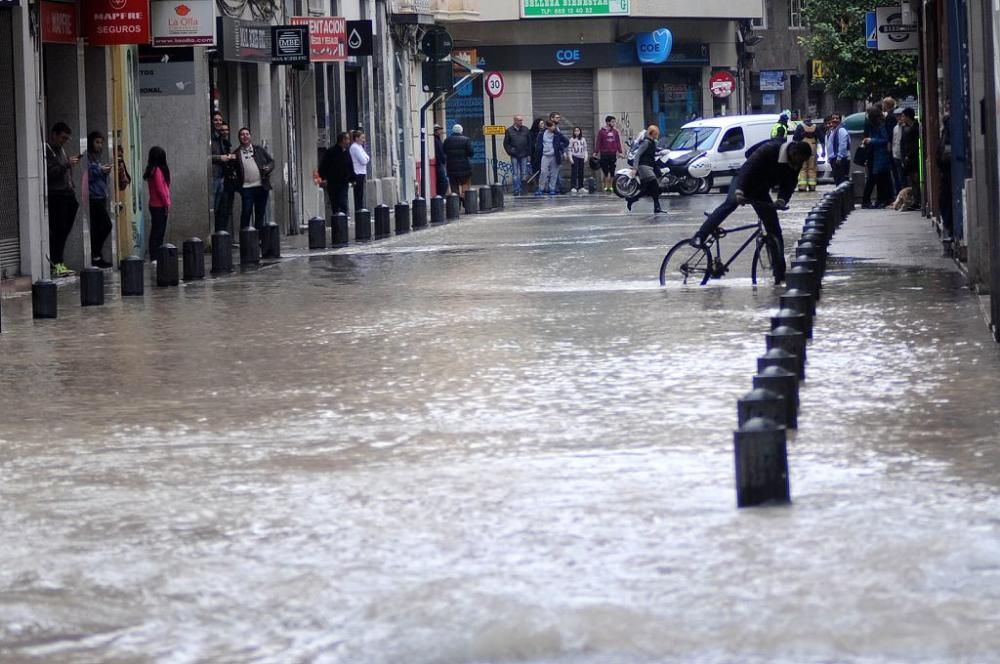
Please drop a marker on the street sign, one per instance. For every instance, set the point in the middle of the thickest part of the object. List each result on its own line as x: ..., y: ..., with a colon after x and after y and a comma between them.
x: 893, y: 35
x: 567, y: 8
x: 871, y: 30
x: 436, y: 44
x: 722, y: 84
x: 493, y: 82
x: 359, y: 38
x: 494, y: 130
x: 437, y: 75
x: 327, y: 37
x: 290, y: 44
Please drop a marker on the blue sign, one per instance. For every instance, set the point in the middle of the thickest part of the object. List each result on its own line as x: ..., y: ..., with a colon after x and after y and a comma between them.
x: 871, y: 30
x: 772, y: 79
x: 654, y: 47
x: 568, y: 57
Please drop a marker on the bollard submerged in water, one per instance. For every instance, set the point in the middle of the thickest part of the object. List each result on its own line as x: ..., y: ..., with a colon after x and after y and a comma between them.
x: 777, y: 357
x: 786, y: 384
x: 132, y: 276
x: 270, y: 240
x: 790, y: 340
x: 362, y: 225
x: 760, y: 403
x: 485, y: 199
x: 91, y: 287
x: 317, y: 233
x: 437, y: 210
x: 419, y: 211
x: 382, y: 225
x: 44, y: 300
x: 471, y: 201
x: 402, y: 216
x: 338, y: 230
x: 167, y: 273
x: 194, y: 259
x: 222, y: 252
x: 249, y: 246
x: 761, y: 454
x: 498, y: 201
x: 453, y: 207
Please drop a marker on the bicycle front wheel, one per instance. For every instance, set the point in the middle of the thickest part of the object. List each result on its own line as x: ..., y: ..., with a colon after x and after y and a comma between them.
x: 764, y: 257
x: 685, y: 263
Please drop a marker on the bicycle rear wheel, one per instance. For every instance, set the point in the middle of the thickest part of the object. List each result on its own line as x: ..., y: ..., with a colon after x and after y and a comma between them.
x: 764, y: 257
x: 685, y: 263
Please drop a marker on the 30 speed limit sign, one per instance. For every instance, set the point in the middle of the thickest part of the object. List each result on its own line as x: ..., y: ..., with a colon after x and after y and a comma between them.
x: 494, y: 84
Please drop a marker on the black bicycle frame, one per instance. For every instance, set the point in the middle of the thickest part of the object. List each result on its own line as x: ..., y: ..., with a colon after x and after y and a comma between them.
x: 718, y: 251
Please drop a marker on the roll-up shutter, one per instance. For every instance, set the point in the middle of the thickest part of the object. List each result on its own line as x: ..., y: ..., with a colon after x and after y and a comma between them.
x: 571, y: 94
x: 10, y: 247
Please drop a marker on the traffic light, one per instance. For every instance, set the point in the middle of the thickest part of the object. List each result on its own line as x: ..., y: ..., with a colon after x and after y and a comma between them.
x: 437, y: 73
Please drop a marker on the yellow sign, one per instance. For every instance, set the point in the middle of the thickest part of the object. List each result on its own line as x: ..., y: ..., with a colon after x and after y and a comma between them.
x: 817, y: 70
x: 494, y: 130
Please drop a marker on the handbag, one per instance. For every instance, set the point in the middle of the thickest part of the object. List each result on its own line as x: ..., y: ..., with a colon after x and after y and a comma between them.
x: 861, y: 155
x: 124, y: 179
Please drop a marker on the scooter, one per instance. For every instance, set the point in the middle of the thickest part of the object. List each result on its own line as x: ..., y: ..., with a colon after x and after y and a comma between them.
x: 684, y: 174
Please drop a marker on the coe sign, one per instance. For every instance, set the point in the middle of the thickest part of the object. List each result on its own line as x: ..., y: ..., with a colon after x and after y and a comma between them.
x: 493, y: 84
x: 722, y: 84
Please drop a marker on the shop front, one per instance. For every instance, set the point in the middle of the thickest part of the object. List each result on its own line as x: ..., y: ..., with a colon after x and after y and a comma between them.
x: 10, y: 245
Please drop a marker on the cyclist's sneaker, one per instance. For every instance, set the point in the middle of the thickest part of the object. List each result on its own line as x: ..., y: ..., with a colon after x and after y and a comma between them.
x: 60, y: 270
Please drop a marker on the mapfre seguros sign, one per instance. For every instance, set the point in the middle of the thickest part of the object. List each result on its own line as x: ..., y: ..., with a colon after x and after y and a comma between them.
x: 116, y: 22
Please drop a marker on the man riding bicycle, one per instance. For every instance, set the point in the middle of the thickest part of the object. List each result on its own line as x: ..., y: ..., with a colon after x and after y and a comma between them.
x: 769, y: 164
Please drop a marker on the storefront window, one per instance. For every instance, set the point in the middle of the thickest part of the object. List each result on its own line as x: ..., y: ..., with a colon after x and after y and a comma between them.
x: 673, y: 98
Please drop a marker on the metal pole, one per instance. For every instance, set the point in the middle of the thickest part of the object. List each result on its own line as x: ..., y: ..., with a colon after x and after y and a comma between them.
x: 493, y: 139
x: 424, y: 157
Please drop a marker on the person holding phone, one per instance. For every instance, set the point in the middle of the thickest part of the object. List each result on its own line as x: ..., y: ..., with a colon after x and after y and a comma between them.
x: 97, y: 191
x: 62, y: 200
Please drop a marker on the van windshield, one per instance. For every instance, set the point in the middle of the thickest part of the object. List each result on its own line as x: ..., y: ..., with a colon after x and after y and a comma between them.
x: 695, y: 138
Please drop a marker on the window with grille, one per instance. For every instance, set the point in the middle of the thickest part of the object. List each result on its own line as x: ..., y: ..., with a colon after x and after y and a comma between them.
x: 795, y: 21
x: 760, y: 23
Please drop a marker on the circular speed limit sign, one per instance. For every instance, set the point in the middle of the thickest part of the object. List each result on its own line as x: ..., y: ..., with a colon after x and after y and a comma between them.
x: 494, y: 84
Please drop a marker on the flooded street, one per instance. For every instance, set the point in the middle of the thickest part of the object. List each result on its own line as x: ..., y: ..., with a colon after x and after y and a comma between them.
x: 499, y: 440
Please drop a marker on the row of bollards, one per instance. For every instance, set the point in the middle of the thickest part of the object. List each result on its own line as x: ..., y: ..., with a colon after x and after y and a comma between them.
x: 770, y: 409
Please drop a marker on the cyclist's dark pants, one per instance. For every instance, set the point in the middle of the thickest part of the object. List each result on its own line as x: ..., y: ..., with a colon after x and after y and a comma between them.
x: 767, y: 214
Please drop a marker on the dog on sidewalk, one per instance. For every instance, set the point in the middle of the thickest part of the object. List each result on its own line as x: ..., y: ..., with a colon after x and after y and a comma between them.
x: 905, y: 199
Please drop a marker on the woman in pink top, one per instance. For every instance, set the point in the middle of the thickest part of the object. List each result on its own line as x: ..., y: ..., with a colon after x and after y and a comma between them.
x: 157, y: 177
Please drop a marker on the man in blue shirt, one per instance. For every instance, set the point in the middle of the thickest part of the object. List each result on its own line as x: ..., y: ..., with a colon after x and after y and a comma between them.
x: 838, y: 149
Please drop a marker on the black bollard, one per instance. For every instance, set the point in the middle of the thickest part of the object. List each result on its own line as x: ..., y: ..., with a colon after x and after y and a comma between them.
x: 249, y: 247
x: 453, y: 209
x: 760, y: 403
x: 792, y: 319
x: 402, y: 217
x: 362, y: 225
x: 91, y: 287
x: 167, y: 273
x: 809, y: 264
x: 790, y: 340
x: 270, y: 240
x: 437, y: 210
x: 801, y: 302
x: 222, y: 252
x: 471, y: 201
x: 44, y: 300
x: 419, y: 212
x: 485, y: 199
x: 317, y: 233
x: 382, y: 225
x: 497, y: 195
x: 761, y: 452
x: 802, y: 279
x: 786, y: 384
x: 194, y: 259
x: 338, y: 230
x: 776, y: 357
x: 132, y: 276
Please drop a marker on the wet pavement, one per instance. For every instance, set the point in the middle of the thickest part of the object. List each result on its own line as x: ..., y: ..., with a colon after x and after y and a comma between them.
x: 499, y: 440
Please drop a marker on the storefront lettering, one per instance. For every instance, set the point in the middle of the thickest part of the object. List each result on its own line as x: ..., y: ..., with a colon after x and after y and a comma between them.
x: 568, y: 56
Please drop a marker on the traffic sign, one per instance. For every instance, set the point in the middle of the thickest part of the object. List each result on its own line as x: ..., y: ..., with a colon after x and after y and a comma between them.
x: 892, y: 34
x: 436, y: 44
x: 722, y: 84
x: 494, y: 130
x: 493, y: 84
x: 871, y: 30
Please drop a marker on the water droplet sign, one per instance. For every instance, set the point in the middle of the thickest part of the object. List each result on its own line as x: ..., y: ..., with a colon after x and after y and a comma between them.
x: 354, y: 41
x: 359, y: 38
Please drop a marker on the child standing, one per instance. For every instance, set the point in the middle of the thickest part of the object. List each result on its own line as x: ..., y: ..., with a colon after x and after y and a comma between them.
x: 578, y: 151
x: 157, y: 177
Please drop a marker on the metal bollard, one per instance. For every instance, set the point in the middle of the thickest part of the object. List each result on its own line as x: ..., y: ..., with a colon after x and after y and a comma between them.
x: 382, y: 225
x: 776, y: 357
x: 166, y: 266
x: 317, y: 233
x: 402, y: 217
x: 362, y: 225
x: 44, y: 300
x: 792, y: 319
x: 249, y: 247
x: 497, y: 194
x: 338, y: 230
x: 789, y: 340
x: 760, y: 403
x: 485, y: 199
x: 809, y: 264
x: 222, y: 252
x: 453, y: 207
x: 802, y: 279
x: 419, y: 211
x: 471, y: 201
x: 761, y: 452
x: 270, y: 240
x: 786, y: 384
x: 91, y: 287
x: 437, y: 210
x: 132, y: 276
x: 799, y: 301
x: 194, y: 259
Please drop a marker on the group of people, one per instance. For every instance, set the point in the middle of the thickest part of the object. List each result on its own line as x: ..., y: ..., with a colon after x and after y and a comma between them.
x: 891, y: 154
x: 345, y: 164
x: 245, y: 168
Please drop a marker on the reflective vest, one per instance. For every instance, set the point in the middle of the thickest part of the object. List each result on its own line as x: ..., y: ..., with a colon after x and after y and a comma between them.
x: 779, y: 131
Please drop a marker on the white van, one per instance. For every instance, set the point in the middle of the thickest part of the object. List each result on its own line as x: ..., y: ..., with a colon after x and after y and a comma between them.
x: 726, y: 140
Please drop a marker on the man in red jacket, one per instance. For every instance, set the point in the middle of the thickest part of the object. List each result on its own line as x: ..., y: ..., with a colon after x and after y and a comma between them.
x: 607, y: 148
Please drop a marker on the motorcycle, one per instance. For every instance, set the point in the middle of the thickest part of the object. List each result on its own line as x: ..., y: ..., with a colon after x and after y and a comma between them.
x: 684, y: 174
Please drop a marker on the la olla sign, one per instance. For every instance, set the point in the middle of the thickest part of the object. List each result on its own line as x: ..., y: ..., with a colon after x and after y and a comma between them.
x: 722, y: 84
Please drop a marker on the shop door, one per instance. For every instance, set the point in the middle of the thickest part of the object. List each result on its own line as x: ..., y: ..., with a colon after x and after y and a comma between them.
x: 10, y: 246
x: 569, y: 93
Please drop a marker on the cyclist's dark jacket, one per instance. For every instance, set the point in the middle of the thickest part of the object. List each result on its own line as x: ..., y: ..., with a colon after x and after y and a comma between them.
x: 765, y: 168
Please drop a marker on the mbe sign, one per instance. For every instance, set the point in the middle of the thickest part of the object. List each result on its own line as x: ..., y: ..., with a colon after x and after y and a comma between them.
x: 290, y: 45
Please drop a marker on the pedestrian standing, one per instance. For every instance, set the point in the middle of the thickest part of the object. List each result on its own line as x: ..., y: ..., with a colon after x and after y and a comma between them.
x: 910, y: 155
x: 551, y: 145
x: 806, y: 133
x: 337, y: 170
x: 890, y: 120
x: 608, y: 148
x: 62, y: 201
x: 537, y: 129
x: 880, y: 161
x: 359, y: 160
x: 517, y: 145
x: 946, y: 198
x: 897, y: 155
x: 440, y: 162
x: 578, y: 152
x: 157, y: 177
x: 97, y: 195
x: 222, y: 160
x: 253, y: 175
x: 648, y: 171
x: 838, y: 149
x: 458, y: 151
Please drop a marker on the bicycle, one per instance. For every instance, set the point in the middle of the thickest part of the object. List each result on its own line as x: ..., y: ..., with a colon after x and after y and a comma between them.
x: 685, y: 260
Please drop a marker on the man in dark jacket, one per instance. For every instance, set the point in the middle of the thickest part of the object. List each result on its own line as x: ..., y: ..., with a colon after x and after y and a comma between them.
x: 517, y: 144
x: 551, y: 144
x: 440, y: 162
x: 222, y: 199
x: 458, y: 152
x: 337, y: 171
x: 769, y: 164
x: 909, y: 148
